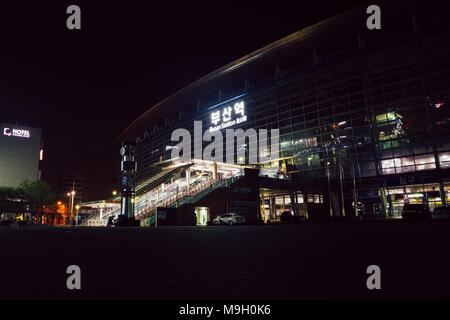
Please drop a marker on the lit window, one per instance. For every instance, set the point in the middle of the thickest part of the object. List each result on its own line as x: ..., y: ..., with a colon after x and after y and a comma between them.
x: 444, y: 159
x: 407, y: 164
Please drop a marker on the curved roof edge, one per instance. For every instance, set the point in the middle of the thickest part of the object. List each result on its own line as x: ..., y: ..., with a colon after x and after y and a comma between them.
x: 238, y: 63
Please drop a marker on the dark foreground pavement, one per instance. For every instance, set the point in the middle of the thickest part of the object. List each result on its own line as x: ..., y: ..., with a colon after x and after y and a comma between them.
x: 315, y: 261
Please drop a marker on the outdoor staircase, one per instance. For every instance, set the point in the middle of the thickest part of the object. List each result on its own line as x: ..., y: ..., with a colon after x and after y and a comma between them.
x: 194, y: 194
x: 170, y: 197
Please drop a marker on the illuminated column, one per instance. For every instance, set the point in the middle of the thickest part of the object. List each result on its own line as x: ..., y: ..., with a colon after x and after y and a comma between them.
x: 263, y: 207
x: 128, y: 169
x: 188, y: 178
x: 214, y: 170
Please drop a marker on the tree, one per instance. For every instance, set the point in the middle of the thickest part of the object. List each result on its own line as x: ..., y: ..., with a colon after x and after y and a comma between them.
x: 11, y: 200
x: 37, y: 194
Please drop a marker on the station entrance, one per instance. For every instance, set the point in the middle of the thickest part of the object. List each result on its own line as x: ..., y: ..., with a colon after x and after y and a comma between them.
x: 202, y: 214
x: 427, y: 194
x: 273, y: 202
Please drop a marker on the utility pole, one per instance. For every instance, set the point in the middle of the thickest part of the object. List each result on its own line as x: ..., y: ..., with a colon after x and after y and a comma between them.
x: 72, y: 196
x: 355, y: 193
x: 128, y: 168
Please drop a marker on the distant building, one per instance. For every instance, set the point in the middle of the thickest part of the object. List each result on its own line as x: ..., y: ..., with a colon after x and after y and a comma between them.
x: 20, y: 153
x: 73, y: 182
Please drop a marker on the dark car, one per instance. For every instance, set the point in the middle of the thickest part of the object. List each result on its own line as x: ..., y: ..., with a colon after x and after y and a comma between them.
x: 416, y: 212
x: 5, y: 223
x: 441, y: 213
x: 288, y: 217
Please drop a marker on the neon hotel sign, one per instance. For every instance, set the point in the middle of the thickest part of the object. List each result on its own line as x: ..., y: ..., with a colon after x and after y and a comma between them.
x: 16, y: 132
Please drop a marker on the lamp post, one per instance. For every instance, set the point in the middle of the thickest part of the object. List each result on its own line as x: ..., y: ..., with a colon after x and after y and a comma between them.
x: 76, y: 220
x: 72, y: 196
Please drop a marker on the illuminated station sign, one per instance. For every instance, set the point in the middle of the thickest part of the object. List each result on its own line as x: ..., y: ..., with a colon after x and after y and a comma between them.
x: 16, y: 132
x: 228, y: 116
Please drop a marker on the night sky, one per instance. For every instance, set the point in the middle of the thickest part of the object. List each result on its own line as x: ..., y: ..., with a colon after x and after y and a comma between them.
x: 83, y: 87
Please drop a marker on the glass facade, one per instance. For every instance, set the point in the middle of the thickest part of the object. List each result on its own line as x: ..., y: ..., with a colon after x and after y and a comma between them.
x: 358, y: 130
x: 19, y: 154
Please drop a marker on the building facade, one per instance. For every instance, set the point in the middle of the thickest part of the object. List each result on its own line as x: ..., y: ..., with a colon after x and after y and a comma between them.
x: 20, y: 153
x: 363, y: 115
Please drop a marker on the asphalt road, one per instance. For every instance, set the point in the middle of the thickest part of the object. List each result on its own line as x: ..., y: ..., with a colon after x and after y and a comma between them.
x: 314, y: 261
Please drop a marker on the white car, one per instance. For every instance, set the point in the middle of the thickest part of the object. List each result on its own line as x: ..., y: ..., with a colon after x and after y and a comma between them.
x: 229, y: 218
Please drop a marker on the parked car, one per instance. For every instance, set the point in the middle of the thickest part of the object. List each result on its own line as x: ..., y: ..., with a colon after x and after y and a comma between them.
x: 416, y: 212
x: 441, y: 213
x: 5, y: 223
x: 289, y: 217
x: 229, y: 218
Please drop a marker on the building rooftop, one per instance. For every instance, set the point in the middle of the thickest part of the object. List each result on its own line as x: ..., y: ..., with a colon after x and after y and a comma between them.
x: 323, y: 41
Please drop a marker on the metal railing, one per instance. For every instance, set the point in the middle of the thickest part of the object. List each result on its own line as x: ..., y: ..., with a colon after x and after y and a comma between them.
x: 213, y: 185
x: 171, y: 197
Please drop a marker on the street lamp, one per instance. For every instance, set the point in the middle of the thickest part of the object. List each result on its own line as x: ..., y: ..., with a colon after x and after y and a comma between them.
x: 76, y: 220
x: 72, y: 197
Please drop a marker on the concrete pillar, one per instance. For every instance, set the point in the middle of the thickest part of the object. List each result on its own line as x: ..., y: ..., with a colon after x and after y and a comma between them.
x: 273, y: 207
x: 293, y: 195
x: 442, y: 194
x: 336, y: 204
x: 263, y: 208
x: 305, y: 201
x: 384, y: 200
